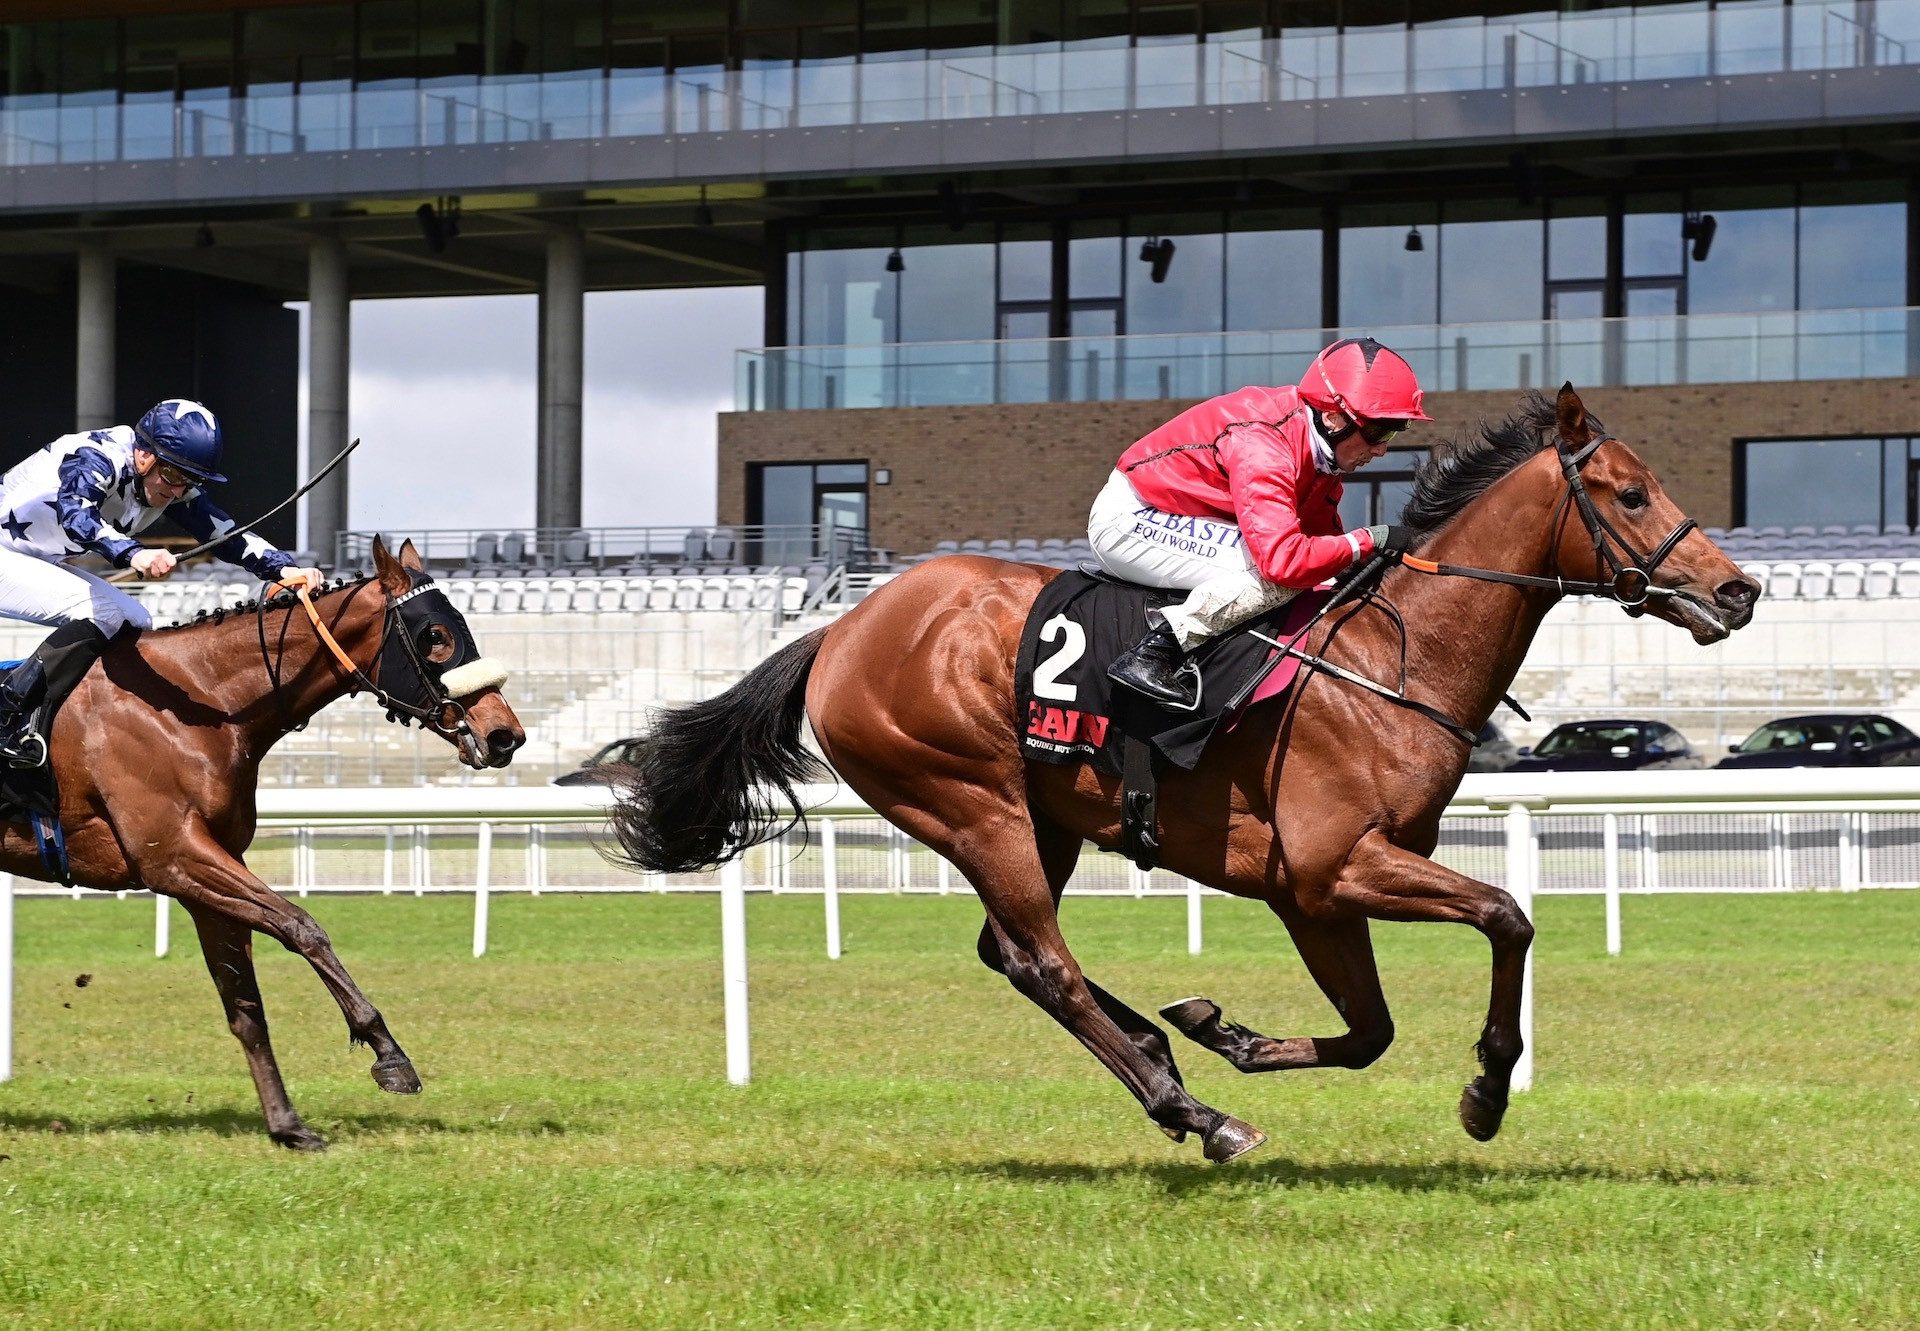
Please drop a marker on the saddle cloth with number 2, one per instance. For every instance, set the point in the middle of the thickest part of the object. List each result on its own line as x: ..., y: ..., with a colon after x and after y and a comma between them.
x: 1069, y: 711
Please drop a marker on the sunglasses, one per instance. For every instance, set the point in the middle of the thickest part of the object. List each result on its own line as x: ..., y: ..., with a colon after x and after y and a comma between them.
x: 1380, y: 432
x: 173, y: 475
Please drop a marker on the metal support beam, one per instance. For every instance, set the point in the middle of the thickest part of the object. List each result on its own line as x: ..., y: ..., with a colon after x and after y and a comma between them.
x: 93, y: 350
x: 562, y: 349
x: 329, y: 324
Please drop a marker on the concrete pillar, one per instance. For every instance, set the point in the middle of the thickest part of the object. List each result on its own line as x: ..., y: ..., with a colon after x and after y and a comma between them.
x: 562, y: 345
x: 328, y: 330
x: 93, y: 352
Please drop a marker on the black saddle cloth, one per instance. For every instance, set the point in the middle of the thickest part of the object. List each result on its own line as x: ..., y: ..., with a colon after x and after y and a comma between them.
x: 1071, y: 712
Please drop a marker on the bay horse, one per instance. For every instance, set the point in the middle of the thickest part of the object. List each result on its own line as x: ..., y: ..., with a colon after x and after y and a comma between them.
x: 1324, y: 804
x: 158, y: 751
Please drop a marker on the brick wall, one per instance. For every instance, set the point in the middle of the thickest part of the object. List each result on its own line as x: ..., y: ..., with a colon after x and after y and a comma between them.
x: 1033, y: 470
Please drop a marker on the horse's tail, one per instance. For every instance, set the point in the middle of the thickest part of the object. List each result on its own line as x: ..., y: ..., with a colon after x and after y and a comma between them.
x: 716, y: 777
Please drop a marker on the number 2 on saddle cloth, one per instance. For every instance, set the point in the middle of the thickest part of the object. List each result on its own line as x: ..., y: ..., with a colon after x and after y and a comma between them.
x: 1071, y: 712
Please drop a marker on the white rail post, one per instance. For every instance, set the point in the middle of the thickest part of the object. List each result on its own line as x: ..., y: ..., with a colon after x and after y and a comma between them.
x: 830, y: 886
x: 946, y: 876
x: 482, y: 890
x: 1610, y: 839
x: 6, y: 976
x: 162, y: 926
x: 386, y: 865
x: 1193, y: 918
x: 1520, y: 859
x: 733, y: 968
x: 1849, y: 869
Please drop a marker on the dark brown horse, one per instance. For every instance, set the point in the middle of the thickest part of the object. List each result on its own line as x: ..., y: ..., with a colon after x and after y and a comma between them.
x: 1325, y: 805
x: 158, y: 753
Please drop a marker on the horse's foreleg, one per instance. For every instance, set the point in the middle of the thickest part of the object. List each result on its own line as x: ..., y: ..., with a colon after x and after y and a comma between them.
x: 227, y: 946
x: 1339, y: 955
x: 199, y: 872
x: 1385, y: 882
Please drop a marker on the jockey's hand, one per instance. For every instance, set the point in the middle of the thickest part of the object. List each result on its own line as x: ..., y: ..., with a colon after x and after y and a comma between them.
x: 310, y: 578
x: 1391, y: 538
x: 152, y: 564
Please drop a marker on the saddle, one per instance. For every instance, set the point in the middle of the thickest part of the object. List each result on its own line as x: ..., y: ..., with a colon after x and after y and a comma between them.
x: 32, y: 794
x: 1070, y: 712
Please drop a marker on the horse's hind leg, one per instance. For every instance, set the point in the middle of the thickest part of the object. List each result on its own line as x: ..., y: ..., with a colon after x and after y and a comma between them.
x: 1059, y: 856
x: 1339, y: 955
x: 1001, y: 860
x: 227, y: 946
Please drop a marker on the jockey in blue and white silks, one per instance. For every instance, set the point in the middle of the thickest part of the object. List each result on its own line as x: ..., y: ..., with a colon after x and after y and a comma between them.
x: 95, y: 492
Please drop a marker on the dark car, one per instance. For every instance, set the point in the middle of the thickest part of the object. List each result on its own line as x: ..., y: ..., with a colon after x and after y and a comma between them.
x: 1610, y: 746
x: 1830, y: 739
x: 620, y: 751
x: 1492, y: 751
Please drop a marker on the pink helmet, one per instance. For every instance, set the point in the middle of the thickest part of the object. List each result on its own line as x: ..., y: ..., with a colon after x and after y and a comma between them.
x: 1364, y: 379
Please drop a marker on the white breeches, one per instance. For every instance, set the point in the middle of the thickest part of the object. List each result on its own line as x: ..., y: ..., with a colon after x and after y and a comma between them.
x: 54, y: 594
x: 1205, y: 556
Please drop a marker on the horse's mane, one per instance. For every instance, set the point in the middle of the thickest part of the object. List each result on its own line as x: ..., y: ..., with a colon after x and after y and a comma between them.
x: 274, y: 602
x: 1453, y: 477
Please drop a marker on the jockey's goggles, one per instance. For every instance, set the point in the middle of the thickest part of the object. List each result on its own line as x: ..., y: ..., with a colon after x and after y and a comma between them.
x: 1379, y: 432
x: 172, y: 475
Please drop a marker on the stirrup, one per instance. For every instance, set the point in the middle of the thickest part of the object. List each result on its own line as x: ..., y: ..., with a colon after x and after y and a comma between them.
x: 26, y: 752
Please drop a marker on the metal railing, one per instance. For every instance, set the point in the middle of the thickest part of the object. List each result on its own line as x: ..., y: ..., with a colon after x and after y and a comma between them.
x: 713, y: 548
x: 1656, y: 42
x: 1688, y: 349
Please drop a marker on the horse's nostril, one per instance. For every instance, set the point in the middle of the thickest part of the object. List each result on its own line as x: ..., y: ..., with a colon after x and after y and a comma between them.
x: 503, y: 740
x: 1738, y: 594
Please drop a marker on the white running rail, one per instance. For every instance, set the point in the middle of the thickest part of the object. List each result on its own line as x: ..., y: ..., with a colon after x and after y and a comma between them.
x: 1833, y: 805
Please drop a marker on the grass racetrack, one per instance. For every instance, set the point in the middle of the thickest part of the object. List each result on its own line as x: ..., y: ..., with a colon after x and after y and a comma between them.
x: 1725, y: 1130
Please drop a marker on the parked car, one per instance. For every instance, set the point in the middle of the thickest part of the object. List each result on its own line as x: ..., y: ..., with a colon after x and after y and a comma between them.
x: 1492, y: 751
x: 1609, y: 746
x: 1829, y: 739
x: 620, y: 751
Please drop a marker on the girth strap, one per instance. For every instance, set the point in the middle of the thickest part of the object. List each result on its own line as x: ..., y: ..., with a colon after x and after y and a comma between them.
x: 1139, y: 800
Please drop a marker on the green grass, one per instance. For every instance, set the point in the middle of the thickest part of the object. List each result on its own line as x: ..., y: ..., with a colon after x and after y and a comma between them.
x: 1723, y: 1134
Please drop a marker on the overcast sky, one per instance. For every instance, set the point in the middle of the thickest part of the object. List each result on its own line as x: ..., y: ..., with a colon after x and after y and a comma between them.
x: 451, y: 382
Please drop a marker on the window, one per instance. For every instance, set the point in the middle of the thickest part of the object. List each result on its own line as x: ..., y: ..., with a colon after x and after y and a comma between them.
x: 812, y: 512
x: 1379, y: 493
x: 1869, y: 483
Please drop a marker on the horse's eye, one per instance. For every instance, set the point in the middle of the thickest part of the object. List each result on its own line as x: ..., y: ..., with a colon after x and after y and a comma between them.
x: 1633, y: 497
x: 438, y: 643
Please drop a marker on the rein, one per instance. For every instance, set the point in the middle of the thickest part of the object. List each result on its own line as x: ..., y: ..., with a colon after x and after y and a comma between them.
x: 1631, y: 585
x: 443, y: 704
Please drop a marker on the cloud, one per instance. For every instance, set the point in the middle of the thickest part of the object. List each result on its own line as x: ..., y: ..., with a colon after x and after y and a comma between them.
x: 443, y: 392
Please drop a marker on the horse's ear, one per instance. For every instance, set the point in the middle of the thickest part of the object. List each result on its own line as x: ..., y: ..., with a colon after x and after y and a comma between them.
x: 410, y: 557
x: 391, y: 572
x: 1570, y: 416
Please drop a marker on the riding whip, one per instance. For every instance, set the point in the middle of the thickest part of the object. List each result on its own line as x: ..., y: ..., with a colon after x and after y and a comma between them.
x: 125, y: 574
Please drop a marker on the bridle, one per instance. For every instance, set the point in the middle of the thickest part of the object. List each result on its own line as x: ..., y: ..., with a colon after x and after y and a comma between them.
x: 423, y: 693
x: 1630, y: 584
x: 1630, y: 580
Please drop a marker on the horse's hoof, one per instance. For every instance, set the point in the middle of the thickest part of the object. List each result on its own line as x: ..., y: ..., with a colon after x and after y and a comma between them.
x: 302, y: 1138
x: 1190, y: 1015
x: 1231, y: 1140
x: 396, y: 1074
x: 1174, y: 1135
x: 1480, y: 1114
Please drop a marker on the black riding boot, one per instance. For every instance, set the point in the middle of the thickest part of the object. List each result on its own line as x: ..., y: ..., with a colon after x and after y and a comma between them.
x: 39, y: 684
x: 1152, y: 667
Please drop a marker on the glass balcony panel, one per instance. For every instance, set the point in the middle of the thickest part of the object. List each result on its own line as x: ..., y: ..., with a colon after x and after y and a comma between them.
x: 1669, y: 42
x: 1094, y: 79
x: 1453, y: 56
x: 636, y: 102
x: 1168, y: 71
x: 1750, y: 37
x: 1373, y: 62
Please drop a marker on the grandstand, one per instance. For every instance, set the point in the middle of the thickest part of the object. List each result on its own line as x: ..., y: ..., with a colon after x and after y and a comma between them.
x: 594, y: 652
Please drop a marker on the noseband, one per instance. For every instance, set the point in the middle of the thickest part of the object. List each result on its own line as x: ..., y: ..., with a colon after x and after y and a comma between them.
x: 1630, y: 573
